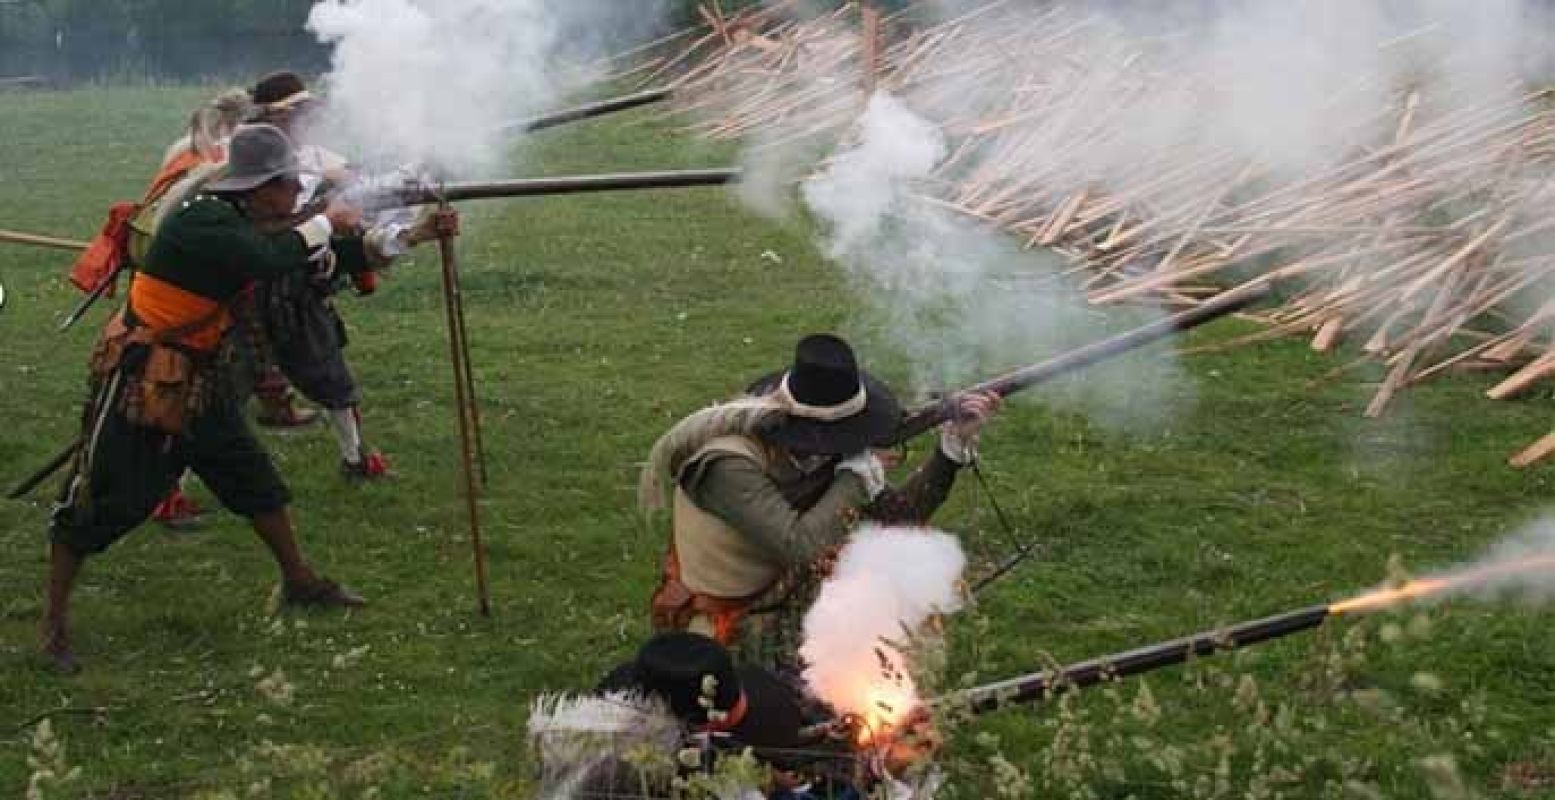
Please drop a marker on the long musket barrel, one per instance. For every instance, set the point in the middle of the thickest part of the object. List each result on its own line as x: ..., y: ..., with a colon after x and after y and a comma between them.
x: 420, y: 195
x: 1040, y: 685
x: 586, y: 111
x: 932, y: 414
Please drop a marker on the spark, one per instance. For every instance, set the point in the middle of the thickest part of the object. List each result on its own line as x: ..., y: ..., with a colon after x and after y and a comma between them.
x: 1435, y: 585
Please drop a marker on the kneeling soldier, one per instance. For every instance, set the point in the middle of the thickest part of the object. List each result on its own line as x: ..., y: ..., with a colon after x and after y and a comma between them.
x: 164, y: 394
x: 767, y: 487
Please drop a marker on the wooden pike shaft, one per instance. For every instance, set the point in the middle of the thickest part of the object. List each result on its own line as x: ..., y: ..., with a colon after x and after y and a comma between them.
x: 1535, y: 452
x: 1520, y: 380
x: 459, y: 355
x: 17, y: 237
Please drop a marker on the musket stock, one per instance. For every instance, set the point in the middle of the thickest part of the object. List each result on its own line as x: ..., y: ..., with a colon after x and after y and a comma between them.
x: 926, y: 417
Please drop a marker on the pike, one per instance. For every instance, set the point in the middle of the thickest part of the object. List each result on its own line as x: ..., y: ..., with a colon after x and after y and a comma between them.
x: 928, y: 416
x: 36, y: 240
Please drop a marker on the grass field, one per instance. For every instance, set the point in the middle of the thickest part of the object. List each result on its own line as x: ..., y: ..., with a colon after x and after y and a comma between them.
x: 596, y: 321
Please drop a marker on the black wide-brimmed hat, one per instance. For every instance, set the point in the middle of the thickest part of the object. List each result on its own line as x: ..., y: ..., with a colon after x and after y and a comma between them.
x: 697, y: 678
x: 256, y: 155
x: 834, y: 408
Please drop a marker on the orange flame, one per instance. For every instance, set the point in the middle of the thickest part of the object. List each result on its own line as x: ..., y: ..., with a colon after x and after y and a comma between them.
x: 1426, y: 587
x: 888, y: 705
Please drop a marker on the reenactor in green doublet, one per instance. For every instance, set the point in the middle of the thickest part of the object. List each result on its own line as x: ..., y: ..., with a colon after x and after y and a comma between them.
x: 164, y: 396
x: 767, y: 487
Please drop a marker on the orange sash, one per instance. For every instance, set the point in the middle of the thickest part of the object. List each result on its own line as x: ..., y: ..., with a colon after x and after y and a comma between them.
x: 161, y: 306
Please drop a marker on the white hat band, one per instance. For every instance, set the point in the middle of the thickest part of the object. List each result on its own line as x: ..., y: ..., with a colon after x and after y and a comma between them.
x: 846, y: 408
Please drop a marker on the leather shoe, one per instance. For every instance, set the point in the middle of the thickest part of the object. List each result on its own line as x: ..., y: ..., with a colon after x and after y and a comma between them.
x: 320, y: 593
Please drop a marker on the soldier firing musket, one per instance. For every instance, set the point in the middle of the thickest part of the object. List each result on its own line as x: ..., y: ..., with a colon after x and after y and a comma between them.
x: 767, y: 486
x: 297, y: 326
x: 164, y: 389
x: 680, y: 708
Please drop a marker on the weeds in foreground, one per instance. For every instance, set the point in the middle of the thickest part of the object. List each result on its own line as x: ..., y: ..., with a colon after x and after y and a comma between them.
x: 1226, y: 732
x: 52, y: 773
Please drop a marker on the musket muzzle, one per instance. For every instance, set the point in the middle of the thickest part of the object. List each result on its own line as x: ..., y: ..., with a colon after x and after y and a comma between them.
x: 932, y: 414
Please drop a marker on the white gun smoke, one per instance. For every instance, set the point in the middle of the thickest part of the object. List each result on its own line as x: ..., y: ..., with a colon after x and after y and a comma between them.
x: 1195, y: 100
x: 887, y: 582
x: 432, y: 82
x: 958, y: 301
x: 1519, y: 567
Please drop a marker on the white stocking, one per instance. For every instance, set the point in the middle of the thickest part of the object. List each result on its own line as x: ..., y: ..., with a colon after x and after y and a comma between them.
x: 348, y: 433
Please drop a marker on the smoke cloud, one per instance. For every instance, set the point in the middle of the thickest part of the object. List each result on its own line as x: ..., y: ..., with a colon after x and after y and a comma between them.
x: 958, y: 301
x: 431, y: 82
x: 1180, y: 111
x: 887, y: 581
x: 1521, y: 566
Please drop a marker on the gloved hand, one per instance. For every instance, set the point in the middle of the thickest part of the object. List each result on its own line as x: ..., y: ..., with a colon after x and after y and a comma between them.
x: 869, y: 469
x: 958, y: 436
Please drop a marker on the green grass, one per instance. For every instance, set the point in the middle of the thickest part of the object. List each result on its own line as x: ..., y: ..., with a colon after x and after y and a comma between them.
x: 597, y: 321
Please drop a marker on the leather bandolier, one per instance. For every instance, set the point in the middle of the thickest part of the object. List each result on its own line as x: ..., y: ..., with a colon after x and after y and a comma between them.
x: 166, y: 383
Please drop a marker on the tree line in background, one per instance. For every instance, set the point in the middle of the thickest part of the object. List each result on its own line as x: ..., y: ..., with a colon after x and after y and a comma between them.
x: 69, y: 40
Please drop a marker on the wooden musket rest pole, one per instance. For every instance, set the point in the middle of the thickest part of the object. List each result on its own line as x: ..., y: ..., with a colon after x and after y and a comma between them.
x: 469, y: 419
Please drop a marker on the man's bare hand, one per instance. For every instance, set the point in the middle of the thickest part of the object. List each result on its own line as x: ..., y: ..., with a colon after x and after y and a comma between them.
x: 973, y: 410
x: 958, y: 437
x: 440, y: 223
x: 343, y: 216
